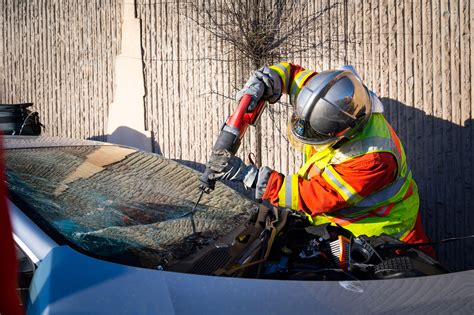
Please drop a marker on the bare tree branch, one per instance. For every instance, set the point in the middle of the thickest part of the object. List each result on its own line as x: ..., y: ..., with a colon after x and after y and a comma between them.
x: 263, y: 30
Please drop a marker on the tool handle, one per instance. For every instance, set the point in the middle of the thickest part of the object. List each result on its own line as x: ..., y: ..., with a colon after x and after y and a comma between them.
x: 232, y: 133
x: 243, y: 117
x: 237, y: 118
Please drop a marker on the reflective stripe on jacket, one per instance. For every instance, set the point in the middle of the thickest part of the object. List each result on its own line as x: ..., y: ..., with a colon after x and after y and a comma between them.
x: 293, y: 78
x: 392, y: 210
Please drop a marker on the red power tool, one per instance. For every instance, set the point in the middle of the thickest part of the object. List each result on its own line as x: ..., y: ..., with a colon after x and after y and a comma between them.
x: 229, y: 139
x: 232, y: 133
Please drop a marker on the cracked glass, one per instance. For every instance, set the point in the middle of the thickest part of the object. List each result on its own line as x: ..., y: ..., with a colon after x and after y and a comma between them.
x: 120, y: 204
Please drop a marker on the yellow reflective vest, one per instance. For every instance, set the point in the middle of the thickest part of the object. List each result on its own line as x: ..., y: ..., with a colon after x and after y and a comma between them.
x: 392, y: 210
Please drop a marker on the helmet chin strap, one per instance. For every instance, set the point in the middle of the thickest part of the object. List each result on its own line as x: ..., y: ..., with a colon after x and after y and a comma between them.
x: 339, y: 143
x: 348, y: 134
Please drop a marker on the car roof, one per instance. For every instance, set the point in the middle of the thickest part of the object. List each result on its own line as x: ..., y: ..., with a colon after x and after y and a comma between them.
x: 20, y: 142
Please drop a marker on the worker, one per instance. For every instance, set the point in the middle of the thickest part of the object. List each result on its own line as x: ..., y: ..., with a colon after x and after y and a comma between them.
x: 355, y: 171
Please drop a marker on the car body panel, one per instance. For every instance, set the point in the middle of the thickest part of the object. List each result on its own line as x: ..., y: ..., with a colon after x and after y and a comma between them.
x: 29, y: 237
x: 67, y: 280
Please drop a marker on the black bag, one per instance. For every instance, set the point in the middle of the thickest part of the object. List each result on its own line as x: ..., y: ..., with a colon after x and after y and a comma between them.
x: 17, y: 119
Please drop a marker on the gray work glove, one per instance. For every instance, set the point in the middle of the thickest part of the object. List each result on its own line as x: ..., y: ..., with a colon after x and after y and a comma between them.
x: 228, y: 167
x: 263, y: 83
x: 262, y: 181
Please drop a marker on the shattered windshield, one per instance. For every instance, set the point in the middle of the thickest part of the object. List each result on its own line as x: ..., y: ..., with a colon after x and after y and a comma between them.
x: 119, y: 203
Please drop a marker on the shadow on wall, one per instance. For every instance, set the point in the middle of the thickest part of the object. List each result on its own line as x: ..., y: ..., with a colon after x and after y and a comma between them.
x: 440, y: 154
x: 130, y: 137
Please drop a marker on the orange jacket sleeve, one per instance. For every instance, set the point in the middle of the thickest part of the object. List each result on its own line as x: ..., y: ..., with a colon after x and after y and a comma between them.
x: 366, y: 174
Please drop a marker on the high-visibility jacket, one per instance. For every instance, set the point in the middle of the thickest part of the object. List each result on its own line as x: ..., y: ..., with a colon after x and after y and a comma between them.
x: 391, y: 209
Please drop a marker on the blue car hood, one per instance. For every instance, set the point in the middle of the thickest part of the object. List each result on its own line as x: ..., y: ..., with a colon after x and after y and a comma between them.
x: 70, y: 282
